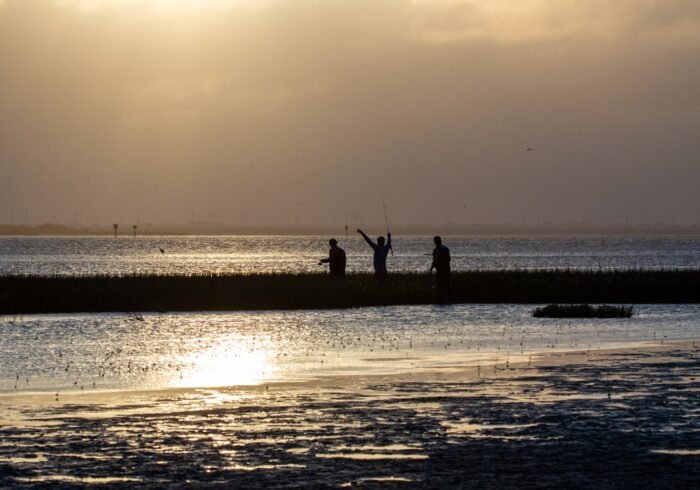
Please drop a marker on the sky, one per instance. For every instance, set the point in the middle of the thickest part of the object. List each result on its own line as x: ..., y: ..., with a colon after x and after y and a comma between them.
x: 314, y: 111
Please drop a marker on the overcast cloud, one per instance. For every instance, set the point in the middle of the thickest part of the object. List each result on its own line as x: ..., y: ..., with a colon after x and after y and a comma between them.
x: 276, y: 109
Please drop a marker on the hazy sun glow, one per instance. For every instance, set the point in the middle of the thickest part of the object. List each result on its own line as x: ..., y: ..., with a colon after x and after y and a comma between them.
x: 296, y: 113
x: 164, y: 6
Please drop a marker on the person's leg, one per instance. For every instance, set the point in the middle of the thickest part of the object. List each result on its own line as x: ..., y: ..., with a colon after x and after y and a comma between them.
x: 443, y: 287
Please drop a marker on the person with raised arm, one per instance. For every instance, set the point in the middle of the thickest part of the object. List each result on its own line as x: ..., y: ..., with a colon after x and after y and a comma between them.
x: 381, y: 250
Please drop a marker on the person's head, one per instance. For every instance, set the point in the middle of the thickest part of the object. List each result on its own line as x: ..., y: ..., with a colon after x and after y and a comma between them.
x: 437, y: 240
x: 380, y: 240
x: 333, y: 242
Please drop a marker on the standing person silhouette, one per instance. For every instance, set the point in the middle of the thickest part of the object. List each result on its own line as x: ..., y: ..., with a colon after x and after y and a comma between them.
x: 380, y: 252
x: 336, y: 260
x: 441, y: 264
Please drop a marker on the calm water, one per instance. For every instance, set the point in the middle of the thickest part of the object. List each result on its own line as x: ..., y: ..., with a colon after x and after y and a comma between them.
x: 90, y: 255
x: 117, y: 351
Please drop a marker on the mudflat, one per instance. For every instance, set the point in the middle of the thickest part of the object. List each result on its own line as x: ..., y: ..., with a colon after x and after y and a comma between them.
x: 622, y: 418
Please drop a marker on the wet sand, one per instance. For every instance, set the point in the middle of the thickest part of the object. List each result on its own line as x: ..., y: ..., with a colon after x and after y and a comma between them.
x: 621, y: 418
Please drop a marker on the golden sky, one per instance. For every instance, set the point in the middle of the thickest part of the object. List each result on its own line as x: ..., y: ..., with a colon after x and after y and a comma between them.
x: 272, y: 109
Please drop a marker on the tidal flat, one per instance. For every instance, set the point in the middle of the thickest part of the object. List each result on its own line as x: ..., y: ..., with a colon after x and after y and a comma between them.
x: 475, y: 396
x: 605, y: 418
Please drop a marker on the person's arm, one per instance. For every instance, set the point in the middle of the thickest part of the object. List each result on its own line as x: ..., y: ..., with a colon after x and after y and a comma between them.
x: 367, y: 239
x: 388, y: 240
x: 434, y: 264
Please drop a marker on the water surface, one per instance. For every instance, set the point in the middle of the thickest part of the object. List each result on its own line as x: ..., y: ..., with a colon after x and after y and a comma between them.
x: 227, y: 254
x: 118, y: 351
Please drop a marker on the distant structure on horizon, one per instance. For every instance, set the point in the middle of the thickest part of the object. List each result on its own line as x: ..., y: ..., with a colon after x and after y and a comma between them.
x: 446, y: 229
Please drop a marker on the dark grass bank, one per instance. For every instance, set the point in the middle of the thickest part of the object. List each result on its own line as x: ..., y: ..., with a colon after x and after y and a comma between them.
x: 68, y: 294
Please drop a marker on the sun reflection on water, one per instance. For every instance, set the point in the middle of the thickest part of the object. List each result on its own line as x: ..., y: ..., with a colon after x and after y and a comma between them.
x: 229, y: 363
x: 81, y: 353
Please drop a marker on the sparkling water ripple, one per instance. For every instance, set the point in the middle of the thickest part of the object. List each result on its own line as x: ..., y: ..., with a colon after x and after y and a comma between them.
x: 118, y: 351
x: 249, y: 254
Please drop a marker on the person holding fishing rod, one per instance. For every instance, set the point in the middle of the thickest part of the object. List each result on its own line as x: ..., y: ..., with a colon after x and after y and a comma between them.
x: 381, y: 250
x: 336, y: 260
x: 441, y: 265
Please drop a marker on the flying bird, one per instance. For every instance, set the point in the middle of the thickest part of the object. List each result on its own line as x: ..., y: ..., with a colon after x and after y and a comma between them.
x: 161, y: 250
x: 529, y: 149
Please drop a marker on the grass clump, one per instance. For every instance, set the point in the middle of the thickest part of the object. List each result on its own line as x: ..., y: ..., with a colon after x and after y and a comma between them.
x: 583, y: 311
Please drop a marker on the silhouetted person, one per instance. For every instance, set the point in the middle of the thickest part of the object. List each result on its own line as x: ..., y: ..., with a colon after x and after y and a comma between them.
x: 441, y: 264
x: 335, y: 260
x: 381, y: 250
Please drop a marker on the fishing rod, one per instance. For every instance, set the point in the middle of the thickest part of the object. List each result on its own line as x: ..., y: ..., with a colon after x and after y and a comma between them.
x: 386, y: 220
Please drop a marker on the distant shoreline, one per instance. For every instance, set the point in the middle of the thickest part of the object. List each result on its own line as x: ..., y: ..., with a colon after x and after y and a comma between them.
x: 127, y: 231
x: 228, y: 292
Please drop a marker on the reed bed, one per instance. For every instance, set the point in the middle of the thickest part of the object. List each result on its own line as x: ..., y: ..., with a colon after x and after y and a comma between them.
x: 583, y: 311
x: 26, y: 294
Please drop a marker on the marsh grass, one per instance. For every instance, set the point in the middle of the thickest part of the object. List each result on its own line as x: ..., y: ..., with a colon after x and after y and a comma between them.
x: 216, y: 292
x: 583, y: 311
